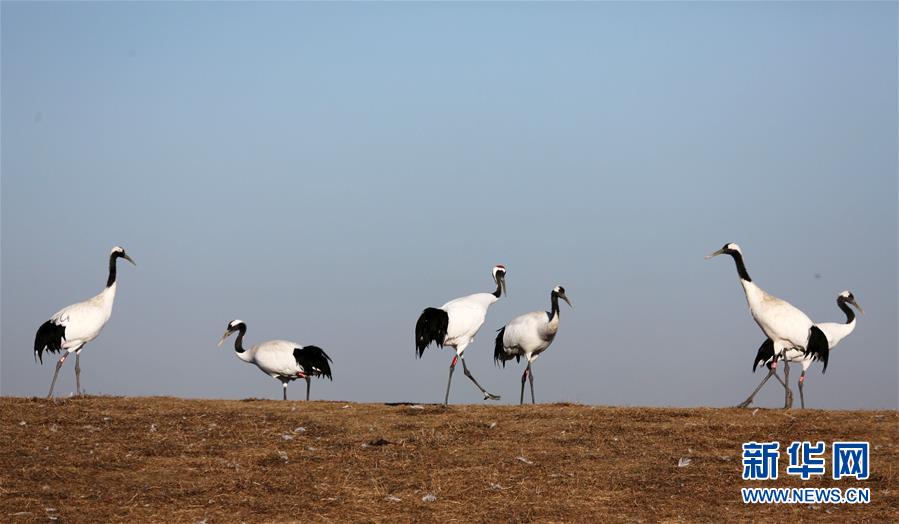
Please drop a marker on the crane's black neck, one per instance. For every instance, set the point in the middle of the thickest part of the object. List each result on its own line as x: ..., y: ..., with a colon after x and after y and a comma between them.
x: 741, y: 268
x: 112, y: 266
x: 238, y: 342
x: 499, y: 288
x: 554, y: 299
x: 850, y: 315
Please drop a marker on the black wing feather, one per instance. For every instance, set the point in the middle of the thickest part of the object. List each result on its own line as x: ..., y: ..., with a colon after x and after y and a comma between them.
x: 765, y: 354
x: 49, y: 337
x: 499, y: 351
x: 431, y: 327
x: 818, y: 346
x: 314, y: 360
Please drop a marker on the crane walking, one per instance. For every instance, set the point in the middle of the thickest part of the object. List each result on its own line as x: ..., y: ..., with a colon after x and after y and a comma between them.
x: 835, y: 333
x: 786, y: 326
x: 455, y: 325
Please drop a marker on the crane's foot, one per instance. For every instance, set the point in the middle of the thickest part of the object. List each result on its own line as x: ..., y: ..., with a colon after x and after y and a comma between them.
x: 788, y: 404
x: 745, y: 403
x: 491, y: 396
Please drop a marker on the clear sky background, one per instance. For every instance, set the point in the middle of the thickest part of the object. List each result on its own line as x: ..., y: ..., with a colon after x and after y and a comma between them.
x: 326, y: 171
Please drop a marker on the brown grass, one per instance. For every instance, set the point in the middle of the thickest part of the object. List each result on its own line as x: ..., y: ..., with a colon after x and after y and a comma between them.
x: 102, y: 459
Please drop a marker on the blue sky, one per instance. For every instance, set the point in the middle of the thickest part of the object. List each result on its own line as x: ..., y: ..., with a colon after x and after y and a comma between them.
x: 324, y: 171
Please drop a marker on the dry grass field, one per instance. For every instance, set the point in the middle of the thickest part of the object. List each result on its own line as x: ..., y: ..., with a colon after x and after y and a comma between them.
x: 107, y: 459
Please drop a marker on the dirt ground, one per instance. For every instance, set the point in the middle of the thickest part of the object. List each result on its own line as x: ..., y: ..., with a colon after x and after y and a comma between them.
x: 108, y: 459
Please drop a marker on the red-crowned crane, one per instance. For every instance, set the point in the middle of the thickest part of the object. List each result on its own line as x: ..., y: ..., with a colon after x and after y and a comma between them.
x: 455, y: 324
x: 784, y: 324
x: 281, y: 359
x: 74, y: 326
x: 834, y: 331
x: 528, y: 336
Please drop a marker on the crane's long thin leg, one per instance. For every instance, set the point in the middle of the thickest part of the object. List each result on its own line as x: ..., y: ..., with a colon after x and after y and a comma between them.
x: 748, y: 401
x: 531, y: 379
x: 284, y: 383
x: 78, y: 373
x: 308, y: 385
x: 801, y: 396
x: 788, y: 395
x: 782, y: 383
x: 487, y: 394
x: 450, y: 379
x: 56, y: 373
x: 524, y: 378
x: 771, y: 372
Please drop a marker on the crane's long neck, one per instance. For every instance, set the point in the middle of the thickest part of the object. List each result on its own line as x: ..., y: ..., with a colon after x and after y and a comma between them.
x: 238, y: 342
x: 850, y: 315
x: 754, y: 295
x: 741, y: 267
x: 112, y: 267
x: 554, y: 312
x: 499, y: 290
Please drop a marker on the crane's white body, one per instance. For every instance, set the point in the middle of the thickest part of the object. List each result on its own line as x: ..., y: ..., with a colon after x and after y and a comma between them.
x: 530, y: 334
x: 275, y: 358
x: 466, y: 317
x: 84, y: 321
x: 783, y: 323
x: 835, y: 333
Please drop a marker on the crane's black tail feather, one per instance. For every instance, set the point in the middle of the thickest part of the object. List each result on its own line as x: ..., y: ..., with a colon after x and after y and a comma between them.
x: 48, y: 338
x: 818, y: 346
x: 499, y: 350
x: 314, y: 360
x: 765, y: 354
x: 431, y: 327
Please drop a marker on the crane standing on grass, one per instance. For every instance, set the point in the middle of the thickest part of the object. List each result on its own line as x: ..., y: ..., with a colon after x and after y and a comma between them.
x: 281, y: 359
x: 74, y: 326
x: 528, y: 336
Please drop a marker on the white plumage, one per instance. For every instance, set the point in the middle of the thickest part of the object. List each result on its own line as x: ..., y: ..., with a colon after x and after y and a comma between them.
x: 455, y: 324
x: 70, y: 328
x: 528, y: 336
x: 281, y: 359
x: 84, y: 321
x: 787, y: 326
x: 466, y: 316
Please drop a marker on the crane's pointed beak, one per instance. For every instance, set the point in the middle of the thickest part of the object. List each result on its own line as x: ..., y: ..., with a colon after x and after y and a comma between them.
x: 715, y: 254
x: 565, y: 298
x: 224, y: 337
x: 858, y: 307
x: 126, y: 257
